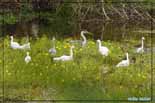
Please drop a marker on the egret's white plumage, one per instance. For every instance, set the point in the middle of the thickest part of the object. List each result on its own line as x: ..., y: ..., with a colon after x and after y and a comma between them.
x: 14, y: 45
x: 124, y: 63
x: 84, y: 42
x: 141, y: 49
x: 53, y: 50
x: 65, y: 57
x: 27, y: 58
x: 102, y: 49
x: 25, y: 46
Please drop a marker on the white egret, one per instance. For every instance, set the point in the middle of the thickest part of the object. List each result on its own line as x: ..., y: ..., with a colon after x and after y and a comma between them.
x: 124, y: 63
x: 27, y: 58
x: 14, y: 45
x: 141, y: 49
x: 65, y: 57
x: 53, y: 50
x: 102, y: 49
x: 84, y: 42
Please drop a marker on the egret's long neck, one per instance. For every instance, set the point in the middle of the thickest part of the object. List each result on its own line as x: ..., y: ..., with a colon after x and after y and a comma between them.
x: 71, y: 52
x: 84, y: 38
x: 11, y: 39
x: 142, y: 43
x: 127, y: 57
x: 99, y: 44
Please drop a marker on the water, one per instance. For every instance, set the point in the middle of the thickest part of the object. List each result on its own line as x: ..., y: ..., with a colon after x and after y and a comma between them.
x: 115, y: 31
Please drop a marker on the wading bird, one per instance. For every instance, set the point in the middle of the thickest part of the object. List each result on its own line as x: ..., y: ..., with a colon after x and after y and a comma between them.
x: 102, y: 49
x: 82, y: 42
x: 141, y: 49
x: 53, y: 50
x: 14, y: 45
x: 124, y: 63
x: 65, y: 57
x: 27, y: 58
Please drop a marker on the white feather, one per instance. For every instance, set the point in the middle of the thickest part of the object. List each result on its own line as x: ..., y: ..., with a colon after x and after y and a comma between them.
x: 14, y: 45
x: 124, y: 63
x: 65, y: 57
x: 84, y: 42
x: 53, y: 50
x: 102, y: 49
x: 27, y: 58
x: 25, y: 46
x: 141, y: 49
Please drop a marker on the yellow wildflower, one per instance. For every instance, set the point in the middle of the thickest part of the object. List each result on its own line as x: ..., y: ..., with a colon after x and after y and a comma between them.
x: 65, y: 46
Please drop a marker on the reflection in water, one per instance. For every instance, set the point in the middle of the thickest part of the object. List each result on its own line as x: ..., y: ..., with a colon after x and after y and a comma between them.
x: 115, y: 30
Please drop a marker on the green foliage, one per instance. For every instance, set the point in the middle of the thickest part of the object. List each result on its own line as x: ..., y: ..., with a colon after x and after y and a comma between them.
x: 8, y: 19
x: 61, y: 21
x: 27, y: 13
x: 149, y: 1
x: 63, y: 12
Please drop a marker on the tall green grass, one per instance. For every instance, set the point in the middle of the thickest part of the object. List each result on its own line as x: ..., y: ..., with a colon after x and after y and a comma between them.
x: 88, y: 76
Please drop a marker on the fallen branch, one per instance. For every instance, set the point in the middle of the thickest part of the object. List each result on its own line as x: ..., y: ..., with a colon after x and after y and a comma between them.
x: 117, y: 11
x: 137, y: 12
x: 125, y: 14
x: 103, y: 9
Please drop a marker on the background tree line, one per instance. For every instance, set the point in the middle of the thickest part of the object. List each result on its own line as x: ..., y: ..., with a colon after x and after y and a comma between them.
x: 69, y: 18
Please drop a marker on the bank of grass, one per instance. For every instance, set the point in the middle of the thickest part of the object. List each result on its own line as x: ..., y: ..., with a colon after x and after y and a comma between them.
x: 89, y: 76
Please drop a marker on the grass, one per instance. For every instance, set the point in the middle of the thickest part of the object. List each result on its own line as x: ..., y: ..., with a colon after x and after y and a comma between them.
x: 89, y: 76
